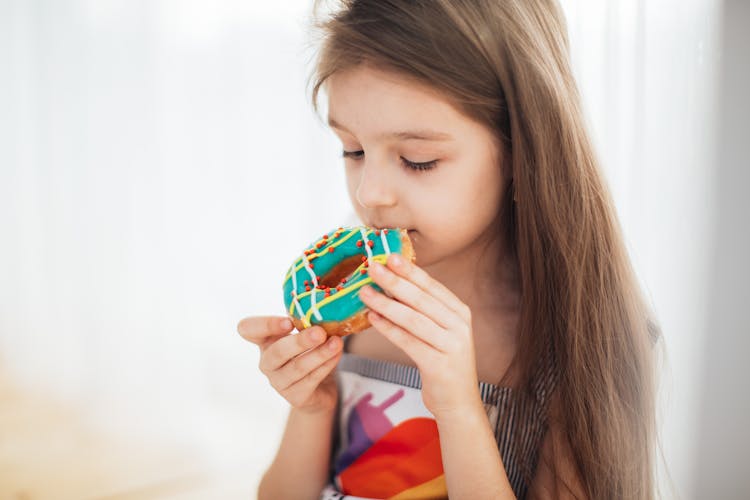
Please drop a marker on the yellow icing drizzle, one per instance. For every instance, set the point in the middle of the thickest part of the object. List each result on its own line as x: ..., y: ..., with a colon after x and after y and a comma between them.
x: 381, y: 258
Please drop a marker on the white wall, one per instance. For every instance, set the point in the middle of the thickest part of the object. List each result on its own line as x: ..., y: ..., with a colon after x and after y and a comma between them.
x: 647, y: 71
x: 152, y: 154
x: 723, y: 451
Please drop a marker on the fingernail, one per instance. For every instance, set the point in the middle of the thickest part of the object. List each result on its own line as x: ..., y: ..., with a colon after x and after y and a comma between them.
x: 396, y: 259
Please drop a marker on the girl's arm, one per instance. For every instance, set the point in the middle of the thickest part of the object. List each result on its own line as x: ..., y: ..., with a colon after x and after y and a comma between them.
x: 471, y: 459
x: 300, y: 469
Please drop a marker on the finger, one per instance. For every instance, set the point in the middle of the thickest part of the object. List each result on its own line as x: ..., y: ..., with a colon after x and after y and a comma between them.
x: 413, y: 346
x: 416, y: 323
x: 301, y: 390
x: 408, y: 293
x: 282, y: 351
x: 259, y: 329
x: 419, y: 277
x: 302, y: 365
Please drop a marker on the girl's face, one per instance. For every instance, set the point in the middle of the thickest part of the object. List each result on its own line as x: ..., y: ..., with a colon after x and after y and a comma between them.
x: 413, y: 161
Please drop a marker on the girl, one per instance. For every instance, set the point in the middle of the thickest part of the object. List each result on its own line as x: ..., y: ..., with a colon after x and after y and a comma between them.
x: 514, y: 358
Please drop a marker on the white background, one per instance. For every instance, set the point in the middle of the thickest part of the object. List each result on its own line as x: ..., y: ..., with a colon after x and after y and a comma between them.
x: 157, y: 164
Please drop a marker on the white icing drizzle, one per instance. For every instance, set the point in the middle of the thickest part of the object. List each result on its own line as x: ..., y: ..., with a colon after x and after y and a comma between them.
x: 364, y: 244
x: 297, y: 305
x: 385, y: 242
x: 314, y: 308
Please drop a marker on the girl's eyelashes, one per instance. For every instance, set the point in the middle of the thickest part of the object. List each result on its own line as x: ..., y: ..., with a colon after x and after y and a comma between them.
x: 352, y: 154
x: 427, y: 165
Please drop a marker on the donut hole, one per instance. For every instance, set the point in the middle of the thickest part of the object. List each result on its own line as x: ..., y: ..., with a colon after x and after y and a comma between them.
x: 340, y: 271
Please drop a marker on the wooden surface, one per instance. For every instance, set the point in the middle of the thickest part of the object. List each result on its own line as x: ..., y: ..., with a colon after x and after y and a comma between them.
x: 48, y: 451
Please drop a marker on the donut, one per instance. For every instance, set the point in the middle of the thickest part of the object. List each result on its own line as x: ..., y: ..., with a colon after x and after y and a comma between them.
x: 321, y: 287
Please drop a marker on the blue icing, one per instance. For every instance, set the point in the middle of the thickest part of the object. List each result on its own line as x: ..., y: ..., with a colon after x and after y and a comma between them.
x: 346, y: 302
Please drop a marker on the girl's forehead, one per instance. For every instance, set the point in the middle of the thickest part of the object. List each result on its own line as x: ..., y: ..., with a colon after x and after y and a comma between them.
x: 366, y: 79
x: 398, y: 105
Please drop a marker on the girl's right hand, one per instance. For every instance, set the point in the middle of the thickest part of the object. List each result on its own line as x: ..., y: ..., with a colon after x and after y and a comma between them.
x: 298, y: 366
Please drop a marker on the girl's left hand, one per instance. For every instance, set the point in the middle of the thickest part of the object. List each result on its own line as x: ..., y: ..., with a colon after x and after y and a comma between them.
x: 433, y: 327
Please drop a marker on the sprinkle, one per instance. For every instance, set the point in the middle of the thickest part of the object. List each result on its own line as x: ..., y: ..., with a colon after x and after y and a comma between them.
x: 359, y: 243
x: 377, y: 232
x: 312, y: 266
x: 339, y: 288
x: 363, y: 271
x: 330, y: 249
x: 343, y: 280
x: 318, y: 245
x: 364, y: 258
x: 307, y: 288
x: 370, y: 243
x: 328, y: 293
x: 325, y: 236
x: 385, y: 231
x: 307, y: 282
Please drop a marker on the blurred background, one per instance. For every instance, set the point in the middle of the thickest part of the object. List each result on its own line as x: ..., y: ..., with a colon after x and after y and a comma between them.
x: 150, y: 155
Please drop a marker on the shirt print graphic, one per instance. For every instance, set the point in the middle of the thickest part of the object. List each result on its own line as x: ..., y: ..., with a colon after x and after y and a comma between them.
x: 389, y: 452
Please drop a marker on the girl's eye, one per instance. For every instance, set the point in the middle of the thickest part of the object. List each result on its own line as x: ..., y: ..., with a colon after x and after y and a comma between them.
x: 352, y: 154
x: 427, y: 165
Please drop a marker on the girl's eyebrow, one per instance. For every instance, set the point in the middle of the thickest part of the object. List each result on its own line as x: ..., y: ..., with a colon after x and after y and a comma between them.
x: 415, y: 135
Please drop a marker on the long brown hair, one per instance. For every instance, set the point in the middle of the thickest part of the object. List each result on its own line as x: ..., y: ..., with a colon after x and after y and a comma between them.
x: 506, y: 64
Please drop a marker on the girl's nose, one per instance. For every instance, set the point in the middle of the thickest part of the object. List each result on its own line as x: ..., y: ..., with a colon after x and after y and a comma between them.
x: 376, y: 186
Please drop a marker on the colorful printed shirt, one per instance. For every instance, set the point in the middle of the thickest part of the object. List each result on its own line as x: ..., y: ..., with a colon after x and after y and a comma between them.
x: 386, y: 442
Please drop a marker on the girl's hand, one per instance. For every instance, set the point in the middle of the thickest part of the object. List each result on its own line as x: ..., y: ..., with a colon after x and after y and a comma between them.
x: 298, y: 366
x: 433, y: 327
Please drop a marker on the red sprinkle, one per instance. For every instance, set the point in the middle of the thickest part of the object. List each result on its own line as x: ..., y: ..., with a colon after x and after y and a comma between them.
x: 377, y: 232
x: 307, y: 288
x: 312, y: 266
x: 328, y: 293
x: 363, y: 271
x: 307, y: 282
x: 318, y: 245
x: 385, y: 231
x: 370, y: 243
x: 364, y: 258
x: 343, y: 280
x: 330, y: 249
x: 325, y: 236
x: 359, y: 243
x: 340, y: 287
